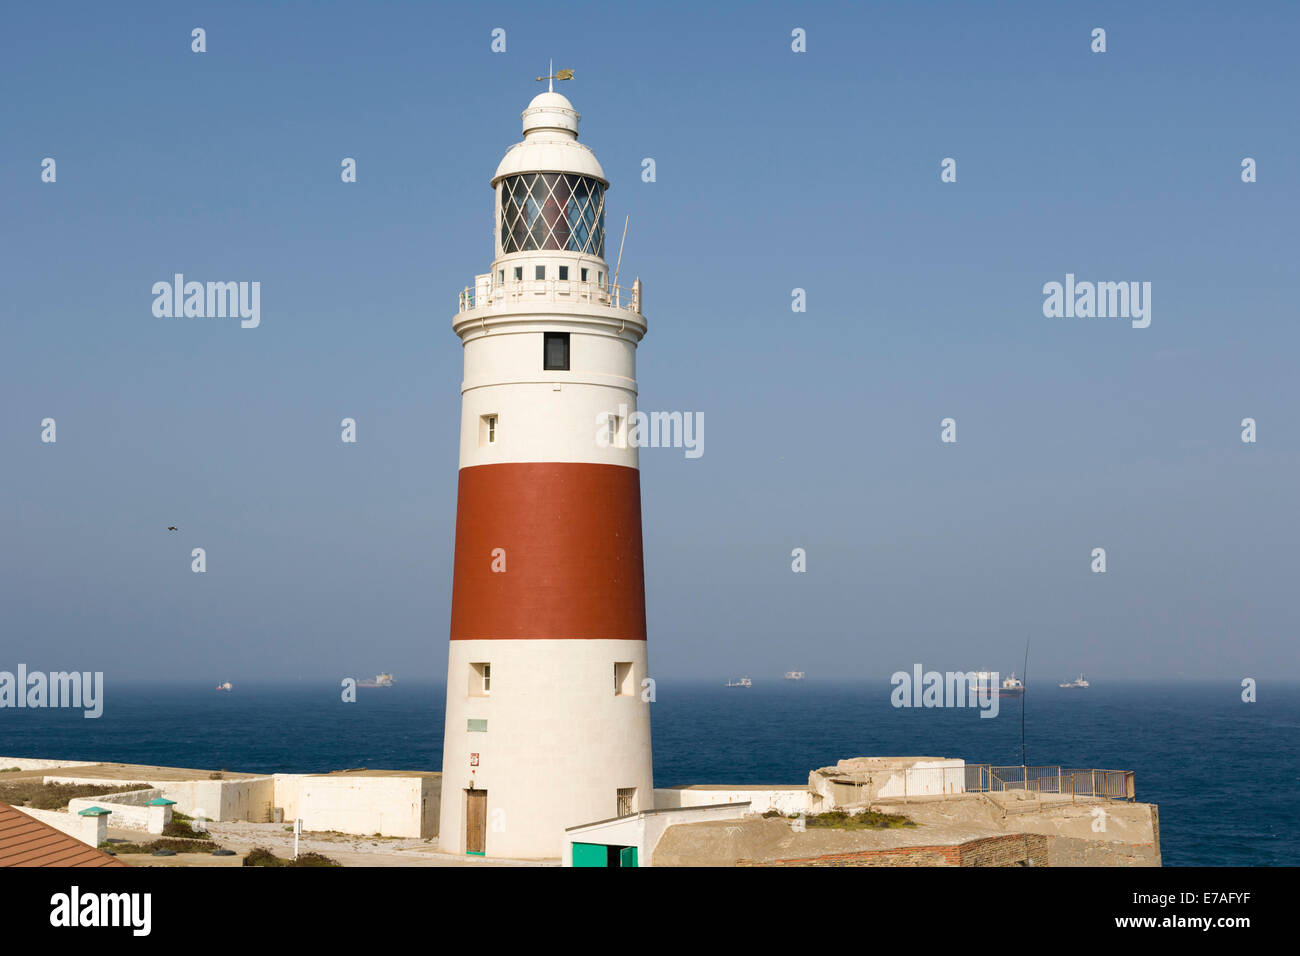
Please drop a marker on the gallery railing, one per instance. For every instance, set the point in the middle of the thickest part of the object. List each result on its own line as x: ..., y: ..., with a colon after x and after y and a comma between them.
x: 1037, y: 781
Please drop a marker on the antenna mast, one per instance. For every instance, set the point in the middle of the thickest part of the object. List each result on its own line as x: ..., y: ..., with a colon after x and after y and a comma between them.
x: 618, y: 265
x: 1024, y: 693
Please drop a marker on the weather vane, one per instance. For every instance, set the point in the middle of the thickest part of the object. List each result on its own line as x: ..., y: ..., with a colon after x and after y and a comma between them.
x: 555, y: 75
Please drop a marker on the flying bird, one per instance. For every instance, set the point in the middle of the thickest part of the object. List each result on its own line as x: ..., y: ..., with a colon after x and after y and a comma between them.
x: 173, y: 528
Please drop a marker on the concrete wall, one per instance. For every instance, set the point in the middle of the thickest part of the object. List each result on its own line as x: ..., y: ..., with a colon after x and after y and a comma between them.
x: 860, y: 780
x: 1015, y: 849
x: 398, y: 805
x: 130, y: 810
x: 392, y: 806
x: 91, y: 831
x: 785, y: 800
x: 1108, y: 833
x: 247, y: 799
x: 287, y: 787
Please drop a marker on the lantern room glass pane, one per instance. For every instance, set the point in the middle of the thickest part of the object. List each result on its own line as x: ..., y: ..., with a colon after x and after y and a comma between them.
x: 553, y: 211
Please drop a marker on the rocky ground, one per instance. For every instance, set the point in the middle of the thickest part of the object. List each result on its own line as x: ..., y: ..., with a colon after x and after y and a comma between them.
x: 343, y: 848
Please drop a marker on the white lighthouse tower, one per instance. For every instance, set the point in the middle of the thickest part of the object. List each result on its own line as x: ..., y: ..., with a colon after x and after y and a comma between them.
x: 546, y: 727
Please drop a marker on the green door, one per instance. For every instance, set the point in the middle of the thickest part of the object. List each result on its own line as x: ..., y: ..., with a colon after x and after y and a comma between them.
x: 627, y: 856
x: 589, y: 854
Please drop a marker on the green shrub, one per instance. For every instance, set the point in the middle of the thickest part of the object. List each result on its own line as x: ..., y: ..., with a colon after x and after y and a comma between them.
x: 53, y: 796
x: 183, y: 829
x: 261, y: 856
x: 867, y: 820
x: 179, y: 846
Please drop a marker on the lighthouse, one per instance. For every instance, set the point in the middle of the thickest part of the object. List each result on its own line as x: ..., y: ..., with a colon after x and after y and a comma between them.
x: 546, y: 726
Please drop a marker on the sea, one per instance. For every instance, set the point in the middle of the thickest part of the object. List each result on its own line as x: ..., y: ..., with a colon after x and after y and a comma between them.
x: 1224, y: 772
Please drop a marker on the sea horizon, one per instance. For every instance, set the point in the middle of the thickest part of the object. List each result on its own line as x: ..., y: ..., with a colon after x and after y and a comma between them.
x: 1190, y: 744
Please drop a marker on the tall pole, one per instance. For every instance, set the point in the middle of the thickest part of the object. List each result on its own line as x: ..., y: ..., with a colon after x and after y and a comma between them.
x: 618, y: 265
x: 1023, y: 694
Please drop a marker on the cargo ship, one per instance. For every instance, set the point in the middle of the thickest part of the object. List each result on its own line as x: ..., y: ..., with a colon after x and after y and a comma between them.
x: 1011, y: 686
x: 381, y: 680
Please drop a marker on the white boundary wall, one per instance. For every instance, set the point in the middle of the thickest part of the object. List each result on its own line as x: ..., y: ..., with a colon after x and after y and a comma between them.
x: 785, y: 800
x: 89, y: 830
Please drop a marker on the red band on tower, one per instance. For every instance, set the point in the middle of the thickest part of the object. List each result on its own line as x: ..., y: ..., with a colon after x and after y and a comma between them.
x: 571, y: 533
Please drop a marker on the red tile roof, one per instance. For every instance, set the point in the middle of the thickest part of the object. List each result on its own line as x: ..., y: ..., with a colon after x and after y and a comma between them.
x: 26, y: 841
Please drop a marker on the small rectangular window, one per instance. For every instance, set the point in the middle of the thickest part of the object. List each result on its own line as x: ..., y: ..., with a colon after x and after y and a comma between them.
x: 501, y: 276
x: 487, y: 430
x: 539, y: 272
x: 519, y: 273
x: 626, y: 801
x: 582, y: 274
x: 600, y: 278
x: 564, y: 273
x: 555, y: 355
x: 623, y: 686
x: 480, y: 679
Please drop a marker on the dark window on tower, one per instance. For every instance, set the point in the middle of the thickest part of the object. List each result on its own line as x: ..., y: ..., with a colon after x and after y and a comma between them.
x: 556, y: 351
x: 564, y: 273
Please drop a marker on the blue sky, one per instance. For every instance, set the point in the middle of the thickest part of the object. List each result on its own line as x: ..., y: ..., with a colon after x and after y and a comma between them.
x: 775, y: 170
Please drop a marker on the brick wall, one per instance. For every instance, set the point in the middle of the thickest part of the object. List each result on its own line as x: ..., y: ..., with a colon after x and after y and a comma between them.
x: 1011, y: 850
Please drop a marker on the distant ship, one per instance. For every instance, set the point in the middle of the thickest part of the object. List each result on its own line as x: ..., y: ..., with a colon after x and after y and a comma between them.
x: 381, y: 680
x: 1011, y: 686
x: 1077, y: 683
x: 794, y: 675
x: 225, y: 686
x: 743, y: 682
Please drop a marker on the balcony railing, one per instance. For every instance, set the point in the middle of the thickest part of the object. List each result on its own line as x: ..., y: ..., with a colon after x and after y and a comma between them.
x: 1076, y: 784
x: 485, y: 295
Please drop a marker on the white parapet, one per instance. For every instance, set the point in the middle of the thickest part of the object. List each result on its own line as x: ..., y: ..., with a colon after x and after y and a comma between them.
x: 91, y: 831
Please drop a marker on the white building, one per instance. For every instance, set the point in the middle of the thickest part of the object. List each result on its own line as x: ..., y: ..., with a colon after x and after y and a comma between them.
x: 546, y: 728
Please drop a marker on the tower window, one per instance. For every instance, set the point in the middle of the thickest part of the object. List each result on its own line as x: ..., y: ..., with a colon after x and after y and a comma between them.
x: 555, y: 355
x: 480, y: 679
x: 613, y: 429
x: 623, y: 679
x: 582, y: 275
x: 626, y: 801
x: 539, y: 272
x: 487, y: 430
x: 519, y: 273
x: 501, y: 276
x: 564, y: 273
x: 600, y: 278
